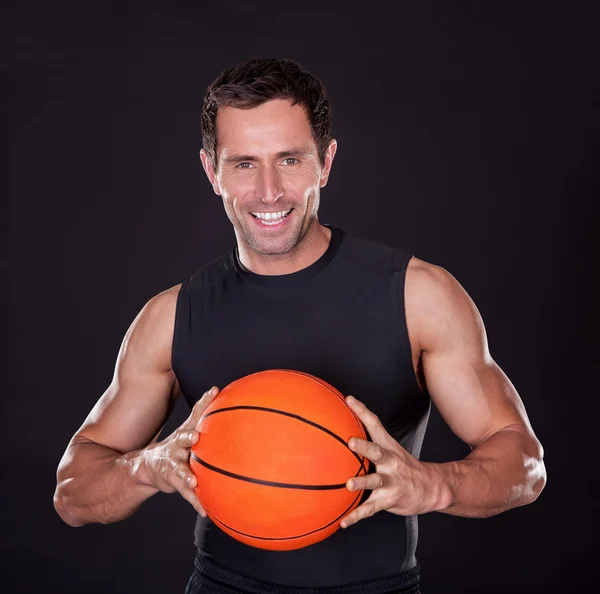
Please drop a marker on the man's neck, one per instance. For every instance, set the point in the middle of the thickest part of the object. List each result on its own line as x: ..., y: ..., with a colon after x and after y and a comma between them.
x: 313, y: 245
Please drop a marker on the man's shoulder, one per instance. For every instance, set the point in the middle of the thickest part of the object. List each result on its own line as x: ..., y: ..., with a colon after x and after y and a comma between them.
x: 426, y: 274
x: 426, y: 278
x: 211, y: 273
x: 156, y: 319
x: 381, y: 255
x: 160, y: 309
x: 374, y: 255
x: 436, y: 302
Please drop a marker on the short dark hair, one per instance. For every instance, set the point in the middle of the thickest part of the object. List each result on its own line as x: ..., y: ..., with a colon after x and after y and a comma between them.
x: 254, y: 82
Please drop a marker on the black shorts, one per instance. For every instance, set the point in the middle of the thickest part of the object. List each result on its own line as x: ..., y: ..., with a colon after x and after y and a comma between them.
x: 210, y: 578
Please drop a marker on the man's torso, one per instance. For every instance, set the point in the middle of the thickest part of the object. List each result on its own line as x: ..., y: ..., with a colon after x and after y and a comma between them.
x: 342, y: 319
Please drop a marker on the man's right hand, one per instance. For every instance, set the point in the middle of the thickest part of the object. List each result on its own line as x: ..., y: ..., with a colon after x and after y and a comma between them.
x: 166, y: 463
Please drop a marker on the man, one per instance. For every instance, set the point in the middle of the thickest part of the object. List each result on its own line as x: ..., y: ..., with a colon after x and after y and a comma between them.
x: 392, y: 330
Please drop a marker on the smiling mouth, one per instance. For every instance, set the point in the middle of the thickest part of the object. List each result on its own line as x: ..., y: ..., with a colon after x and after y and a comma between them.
x: 273, y: 222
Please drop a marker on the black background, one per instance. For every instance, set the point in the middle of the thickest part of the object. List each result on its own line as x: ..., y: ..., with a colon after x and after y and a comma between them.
x: 466, y: 136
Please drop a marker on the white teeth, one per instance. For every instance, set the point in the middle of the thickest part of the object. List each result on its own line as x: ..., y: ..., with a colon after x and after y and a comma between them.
x: 272, y: 216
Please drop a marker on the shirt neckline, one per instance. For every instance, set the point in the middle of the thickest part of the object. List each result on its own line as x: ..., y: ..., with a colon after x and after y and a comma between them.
x: 293, y: 278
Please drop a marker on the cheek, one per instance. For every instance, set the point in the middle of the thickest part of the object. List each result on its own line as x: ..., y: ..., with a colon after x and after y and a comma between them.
x: 235, y: 190
x: 302, y: 184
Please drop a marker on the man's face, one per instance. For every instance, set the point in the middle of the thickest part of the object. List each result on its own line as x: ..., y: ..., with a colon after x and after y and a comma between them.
x: 268, y: 164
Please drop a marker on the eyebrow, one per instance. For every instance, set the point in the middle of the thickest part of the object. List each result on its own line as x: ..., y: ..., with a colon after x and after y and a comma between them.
x: 292, y: 152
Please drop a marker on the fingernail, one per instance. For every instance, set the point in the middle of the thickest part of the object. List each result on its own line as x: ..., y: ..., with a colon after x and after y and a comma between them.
x: 350, y: 484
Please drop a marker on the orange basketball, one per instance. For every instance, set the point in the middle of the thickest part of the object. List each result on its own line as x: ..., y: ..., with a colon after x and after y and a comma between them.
x: 272, y: 460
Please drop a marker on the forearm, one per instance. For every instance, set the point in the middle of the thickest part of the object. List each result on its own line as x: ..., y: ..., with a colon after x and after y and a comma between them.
x: 504, y: 471
x: 97, y: 484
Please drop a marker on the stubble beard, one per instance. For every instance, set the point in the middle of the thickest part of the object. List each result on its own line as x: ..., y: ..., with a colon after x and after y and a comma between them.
x: 273, y: 247
x: 266, y: 247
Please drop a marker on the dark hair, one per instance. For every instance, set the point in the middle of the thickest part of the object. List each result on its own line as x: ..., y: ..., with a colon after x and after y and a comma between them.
x: 254, y: 82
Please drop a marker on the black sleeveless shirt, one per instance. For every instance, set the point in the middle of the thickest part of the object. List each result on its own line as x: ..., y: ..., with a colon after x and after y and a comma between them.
x: 342, y: 319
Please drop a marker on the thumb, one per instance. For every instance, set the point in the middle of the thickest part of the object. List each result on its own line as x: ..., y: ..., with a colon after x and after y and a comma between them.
x: 199, y: 408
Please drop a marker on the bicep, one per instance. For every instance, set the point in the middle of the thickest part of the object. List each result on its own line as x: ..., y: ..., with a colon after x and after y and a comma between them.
x: 131, y: 412
x: 471, y: 392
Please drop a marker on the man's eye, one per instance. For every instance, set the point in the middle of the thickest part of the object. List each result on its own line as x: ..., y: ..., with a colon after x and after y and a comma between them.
x: 291, y: 159
x: 241, y: 165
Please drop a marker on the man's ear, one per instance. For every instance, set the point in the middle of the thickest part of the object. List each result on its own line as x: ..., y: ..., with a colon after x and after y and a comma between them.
x: 329, y: 155
x: 210, y: 171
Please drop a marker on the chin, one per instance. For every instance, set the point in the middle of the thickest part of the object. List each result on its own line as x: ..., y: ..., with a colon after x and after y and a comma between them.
x: 273, y: 246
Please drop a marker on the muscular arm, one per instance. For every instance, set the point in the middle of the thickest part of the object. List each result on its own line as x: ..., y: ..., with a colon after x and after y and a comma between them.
x: 505, y: 468
x: 101, y: 476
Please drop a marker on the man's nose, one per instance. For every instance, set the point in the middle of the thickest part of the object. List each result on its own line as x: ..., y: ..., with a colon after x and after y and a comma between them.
x: 268, y: 186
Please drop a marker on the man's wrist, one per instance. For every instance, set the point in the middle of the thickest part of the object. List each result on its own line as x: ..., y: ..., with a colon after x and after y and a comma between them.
x: 441, y: 481
x: 137, y: 465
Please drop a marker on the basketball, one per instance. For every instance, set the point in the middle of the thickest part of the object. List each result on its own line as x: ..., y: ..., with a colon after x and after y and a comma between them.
x: 272, y: 460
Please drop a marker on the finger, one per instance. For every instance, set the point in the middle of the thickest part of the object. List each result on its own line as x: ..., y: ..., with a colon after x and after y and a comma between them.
x: 368, y: 449
x: 190, y: 496
x: 364, y: 483
x: 186, y: 439
x: 370, y: 507
x: 184, y: 472
x: 200, y: 407
x: 370, y: 420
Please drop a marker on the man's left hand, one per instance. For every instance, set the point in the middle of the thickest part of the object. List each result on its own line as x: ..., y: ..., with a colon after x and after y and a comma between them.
x: 401, y: 484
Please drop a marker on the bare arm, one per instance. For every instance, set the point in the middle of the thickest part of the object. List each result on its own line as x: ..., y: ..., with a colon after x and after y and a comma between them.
x: 113, y: 463
x: 476, y: 399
